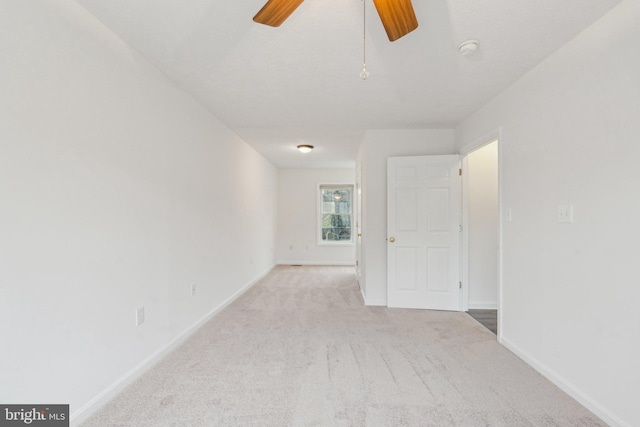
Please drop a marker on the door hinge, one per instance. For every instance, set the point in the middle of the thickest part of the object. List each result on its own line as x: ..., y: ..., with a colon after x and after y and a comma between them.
x: 460, y: 171
x: 459, y: 285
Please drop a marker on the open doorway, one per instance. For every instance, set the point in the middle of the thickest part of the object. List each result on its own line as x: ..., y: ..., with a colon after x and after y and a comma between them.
x: 481, y: 216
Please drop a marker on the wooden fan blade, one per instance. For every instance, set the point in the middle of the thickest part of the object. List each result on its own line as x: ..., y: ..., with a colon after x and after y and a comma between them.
x: 397, y: 16
x: 275, y: 12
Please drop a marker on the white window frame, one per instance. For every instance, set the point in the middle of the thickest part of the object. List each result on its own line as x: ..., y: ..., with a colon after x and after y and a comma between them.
x: 321, y: 241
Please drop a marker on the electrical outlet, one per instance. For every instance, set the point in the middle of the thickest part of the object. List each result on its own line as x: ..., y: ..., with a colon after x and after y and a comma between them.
x: 193, y: 289
x: 565, y: 214
x: 140, y: 316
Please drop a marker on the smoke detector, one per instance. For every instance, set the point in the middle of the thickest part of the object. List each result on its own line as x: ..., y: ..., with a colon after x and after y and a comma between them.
x: 468, y: 47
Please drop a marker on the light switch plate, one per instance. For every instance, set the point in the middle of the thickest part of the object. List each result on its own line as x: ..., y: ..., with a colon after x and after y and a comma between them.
x: 140, y: 316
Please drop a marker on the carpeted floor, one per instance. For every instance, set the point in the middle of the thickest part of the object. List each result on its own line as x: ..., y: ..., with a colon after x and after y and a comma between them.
x: 301, y: 349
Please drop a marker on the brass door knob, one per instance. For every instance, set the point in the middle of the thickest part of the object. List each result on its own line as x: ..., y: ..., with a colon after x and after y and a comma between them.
x: 392, y: 239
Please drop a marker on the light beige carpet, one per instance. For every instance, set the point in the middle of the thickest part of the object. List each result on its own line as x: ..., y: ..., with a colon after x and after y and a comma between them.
x: 301, y: 349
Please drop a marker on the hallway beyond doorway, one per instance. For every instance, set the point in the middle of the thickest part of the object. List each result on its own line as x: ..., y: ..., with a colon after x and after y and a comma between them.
x: 487, y: 318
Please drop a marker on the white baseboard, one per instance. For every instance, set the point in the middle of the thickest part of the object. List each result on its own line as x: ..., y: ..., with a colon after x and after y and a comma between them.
x: 369, y: 302
x: 565, y: 386
x: 479, y: 305
x: 375, y: 302
x: 323, y: 263
x: 110, y: 392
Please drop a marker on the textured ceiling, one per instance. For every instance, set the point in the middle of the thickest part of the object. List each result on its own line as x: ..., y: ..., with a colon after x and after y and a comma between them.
x: 299, y: 83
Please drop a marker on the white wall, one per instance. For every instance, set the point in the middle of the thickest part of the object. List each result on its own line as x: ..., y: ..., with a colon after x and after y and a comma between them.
x: 117, y: 191
x: 377, y: 146
x: 570, y: 133
x: 298, y: 218
x: 481, y: 208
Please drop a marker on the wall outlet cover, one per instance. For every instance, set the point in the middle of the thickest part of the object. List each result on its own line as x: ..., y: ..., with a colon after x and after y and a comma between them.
x: 565, y: 214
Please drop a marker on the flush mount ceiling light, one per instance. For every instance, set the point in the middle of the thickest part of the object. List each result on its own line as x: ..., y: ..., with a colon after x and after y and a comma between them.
x: 468, y: 47
x: 305, y: 148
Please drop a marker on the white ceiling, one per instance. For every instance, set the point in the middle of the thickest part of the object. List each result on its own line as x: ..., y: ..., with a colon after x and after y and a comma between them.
x: 299, y: 83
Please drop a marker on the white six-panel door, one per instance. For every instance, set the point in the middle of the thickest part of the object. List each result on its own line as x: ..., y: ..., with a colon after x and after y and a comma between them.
x: 423, y: 232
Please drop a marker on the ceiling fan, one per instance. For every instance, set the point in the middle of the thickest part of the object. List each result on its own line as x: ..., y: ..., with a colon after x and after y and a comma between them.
x: 397, y: 16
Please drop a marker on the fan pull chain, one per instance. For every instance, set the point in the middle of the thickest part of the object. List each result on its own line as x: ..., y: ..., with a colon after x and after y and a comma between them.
x: 364, y: 73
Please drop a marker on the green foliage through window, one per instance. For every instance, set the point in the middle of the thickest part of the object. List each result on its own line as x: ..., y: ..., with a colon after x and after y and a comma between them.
x: 336, y: 213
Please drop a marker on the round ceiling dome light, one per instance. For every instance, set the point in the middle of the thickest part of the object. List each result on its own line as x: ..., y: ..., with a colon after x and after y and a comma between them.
x: 468, y: 47
x: 305, y: 148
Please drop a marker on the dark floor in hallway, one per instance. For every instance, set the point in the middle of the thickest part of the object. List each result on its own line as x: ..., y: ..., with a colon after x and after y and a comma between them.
x: 488, y: 318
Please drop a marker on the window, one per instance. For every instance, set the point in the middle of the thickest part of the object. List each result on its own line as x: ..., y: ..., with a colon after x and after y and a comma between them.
x: 335, y: 214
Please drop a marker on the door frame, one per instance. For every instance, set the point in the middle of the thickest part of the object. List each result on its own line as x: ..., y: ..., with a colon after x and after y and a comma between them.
x: 358, y: 220
x: 489, y: 137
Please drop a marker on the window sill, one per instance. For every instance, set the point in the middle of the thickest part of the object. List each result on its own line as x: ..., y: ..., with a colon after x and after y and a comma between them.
x: 336, y: 244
